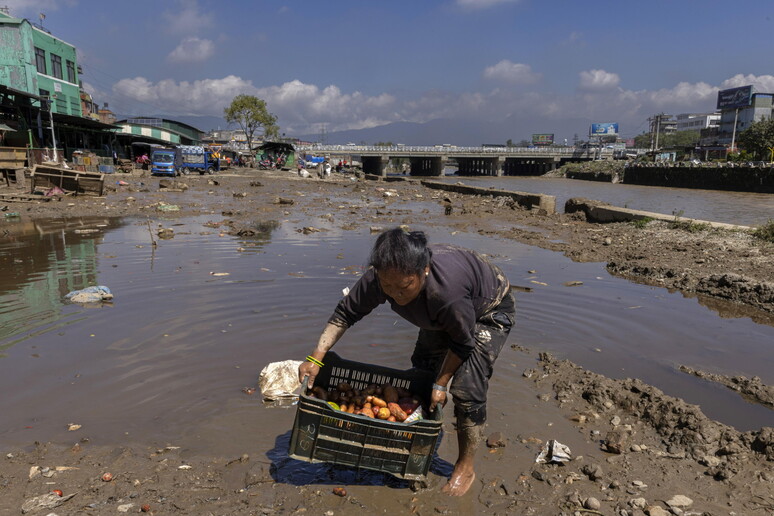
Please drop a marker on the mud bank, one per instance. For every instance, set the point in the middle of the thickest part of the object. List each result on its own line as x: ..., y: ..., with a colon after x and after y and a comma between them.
x: 633, y: 451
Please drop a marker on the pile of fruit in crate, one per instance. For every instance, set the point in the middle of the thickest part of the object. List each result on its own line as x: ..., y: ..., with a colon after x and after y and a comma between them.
x: 375, y: 401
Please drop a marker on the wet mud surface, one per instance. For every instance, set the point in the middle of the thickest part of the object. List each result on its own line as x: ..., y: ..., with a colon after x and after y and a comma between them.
x: 635, y: 450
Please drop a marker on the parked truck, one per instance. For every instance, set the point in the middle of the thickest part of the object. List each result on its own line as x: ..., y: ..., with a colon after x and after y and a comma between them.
x: 199, y: 159
x: 166, y: 161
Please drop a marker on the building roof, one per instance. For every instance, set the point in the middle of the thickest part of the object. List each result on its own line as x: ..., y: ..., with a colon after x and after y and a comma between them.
x: 79, y: 121
x: 171, y: 121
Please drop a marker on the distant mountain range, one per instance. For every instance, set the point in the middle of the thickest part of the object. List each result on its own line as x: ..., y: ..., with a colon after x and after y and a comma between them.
x: 435, y: 132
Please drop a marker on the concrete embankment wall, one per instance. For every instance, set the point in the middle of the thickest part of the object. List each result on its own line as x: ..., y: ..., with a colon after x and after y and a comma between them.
x: 734, y: 178
x: 603, y: 176
x: 529, y: 200
x: 595, y: 211
x: 600, y: 212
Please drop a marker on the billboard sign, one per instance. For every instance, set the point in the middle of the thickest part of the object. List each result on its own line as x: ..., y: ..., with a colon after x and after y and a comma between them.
x: 604, y: 129
x: 543, y: 139
x: 735, y: 98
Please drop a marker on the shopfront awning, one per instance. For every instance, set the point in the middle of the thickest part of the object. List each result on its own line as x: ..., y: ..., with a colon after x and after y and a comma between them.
x: 81, y: 122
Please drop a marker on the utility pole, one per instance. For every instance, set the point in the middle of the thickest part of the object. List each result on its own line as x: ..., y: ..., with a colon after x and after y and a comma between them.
x: 658, y: 126
x: 655, y: 129
x: 50, y: 102
x: 733, y: 134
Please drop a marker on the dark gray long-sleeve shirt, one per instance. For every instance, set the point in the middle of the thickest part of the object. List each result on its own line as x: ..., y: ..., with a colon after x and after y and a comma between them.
x: 461, y: 287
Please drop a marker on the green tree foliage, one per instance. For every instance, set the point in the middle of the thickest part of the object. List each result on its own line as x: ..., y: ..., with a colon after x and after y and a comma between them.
x: 758, y: 139
x: 676, y: 140
x: 251, y: 114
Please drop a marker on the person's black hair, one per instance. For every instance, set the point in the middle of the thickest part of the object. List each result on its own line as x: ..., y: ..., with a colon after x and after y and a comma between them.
x: 400, y: 250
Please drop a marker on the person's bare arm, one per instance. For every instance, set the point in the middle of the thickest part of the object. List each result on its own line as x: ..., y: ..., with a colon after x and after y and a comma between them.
x: 329, y: 336
x: 450, y: 365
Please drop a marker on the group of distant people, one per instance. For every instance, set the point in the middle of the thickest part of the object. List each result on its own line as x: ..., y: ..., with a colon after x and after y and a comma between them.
x: 324, y: 168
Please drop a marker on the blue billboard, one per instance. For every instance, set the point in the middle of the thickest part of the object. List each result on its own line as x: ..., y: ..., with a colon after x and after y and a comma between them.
x: 735, y: 97
x: 602, y: 129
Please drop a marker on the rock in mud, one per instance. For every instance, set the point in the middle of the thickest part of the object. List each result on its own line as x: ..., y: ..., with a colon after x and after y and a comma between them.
x: 679, y: 501
x: 592, y: 504
x: 593, y: 471
x: 496, y: 440
x: 615, y: 442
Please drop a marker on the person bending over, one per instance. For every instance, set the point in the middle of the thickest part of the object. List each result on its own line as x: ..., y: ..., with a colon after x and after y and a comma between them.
x: 464, y: 309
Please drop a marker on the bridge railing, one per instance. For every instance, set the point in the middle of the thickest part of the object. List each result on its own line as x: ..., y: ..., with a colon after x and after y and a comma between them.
x: 442, y: 150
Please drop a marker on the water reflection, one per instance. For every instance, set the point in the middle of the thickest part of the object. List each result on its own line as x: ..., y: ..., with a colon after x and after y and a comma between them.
x: 41, y: 262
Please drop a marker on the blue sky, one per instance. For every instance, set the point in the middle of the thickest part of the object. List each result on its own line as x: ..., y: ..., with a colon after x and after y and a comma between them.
x: 548, y: 66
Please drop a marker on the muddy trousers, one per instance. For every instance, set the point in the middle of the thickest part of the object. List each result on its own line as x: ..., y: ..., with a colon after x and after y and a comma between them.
x: 471, y: 381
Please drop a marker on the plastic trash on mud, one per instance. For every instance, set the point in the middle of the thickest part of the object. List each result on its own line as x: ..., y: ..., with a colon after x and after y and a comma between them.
x: 90, y: 295
x: 554, y: 451
x: 279, y: 381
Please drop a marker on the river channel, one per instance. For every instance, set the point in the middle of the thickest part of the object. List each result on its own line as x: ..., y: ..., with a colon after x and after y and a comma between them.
x: 742, y: 208
x: 196, y: 318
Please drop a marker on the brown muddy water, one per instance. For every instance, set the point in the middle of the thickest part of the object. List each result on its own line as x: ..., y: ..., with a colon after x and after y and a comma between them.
x: 167, y: 359
x: 741, y: 208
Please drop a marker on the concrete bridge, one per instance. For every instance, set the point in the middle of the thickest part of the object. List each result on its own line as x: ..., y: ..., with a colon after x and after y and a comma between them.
x: 473, y: 161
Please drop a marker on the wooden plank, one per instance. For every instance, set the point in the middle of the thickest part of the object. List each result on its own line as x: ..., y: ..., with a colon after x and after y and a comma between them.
x: 7, y: 197
x: 68, y: 179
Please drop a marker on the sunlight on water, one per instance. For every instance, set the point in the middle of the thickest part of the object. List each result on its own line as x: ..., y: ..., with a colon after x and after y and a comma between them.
x: 195, y: 319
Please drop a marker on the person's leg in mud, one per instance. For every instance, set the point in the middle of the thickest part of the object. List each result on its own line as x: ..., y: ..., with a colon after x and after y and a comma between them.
x: 469, y: 390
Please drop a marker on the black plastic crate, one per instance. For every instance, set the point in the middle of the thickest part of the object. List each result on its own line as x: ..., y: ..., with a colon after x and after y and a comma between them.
x: 323, y: 434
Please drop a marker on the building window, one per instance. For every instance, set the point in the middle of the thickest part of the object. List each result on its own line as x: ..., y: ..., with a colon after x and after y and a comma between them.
x: 45, y: 104
x: 70, y: 72
x: 56, y: 66
x: 40, y: 60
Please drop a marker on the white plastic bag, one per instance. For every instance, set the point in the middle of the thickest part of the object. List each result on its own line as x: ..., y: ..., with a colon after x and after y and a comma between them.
x: 554, y: 451
x: 279, y: 380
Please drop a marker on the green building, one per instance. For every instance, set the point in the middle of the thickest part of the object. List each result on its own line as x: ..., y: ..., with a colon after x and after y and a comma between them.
x: 160, y: 130
x: 34, y: 62
x: 40, y: 95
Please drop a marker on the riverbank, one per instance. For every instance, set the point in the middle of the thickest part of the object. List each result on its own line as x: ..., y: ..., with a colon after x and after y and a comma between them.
x: 634, y: 449
x: 739, y: 177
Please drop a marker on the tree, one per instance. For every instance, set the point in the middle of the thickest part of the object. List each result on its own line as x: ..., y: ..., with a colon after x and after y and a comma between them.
x: 758, y: 139
x: 251, y: 114
x: 668, y: 141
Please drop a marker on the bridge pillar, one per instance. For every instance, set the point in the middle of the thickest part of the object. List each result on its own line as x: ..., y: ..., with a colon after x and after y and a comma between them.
x: 375, y: 165
x: 426, y: 166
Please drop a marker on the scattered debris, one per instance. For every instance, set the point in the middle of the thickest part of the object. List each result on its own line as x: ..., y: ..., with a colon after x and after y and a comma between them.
x: 90, y: 295
x: 46, y: 501
x: 554, y: 451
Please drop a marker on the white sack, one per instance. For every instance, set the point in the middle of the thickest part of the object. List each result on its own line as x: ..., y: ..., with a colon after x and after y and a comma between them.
x: 279, y: 380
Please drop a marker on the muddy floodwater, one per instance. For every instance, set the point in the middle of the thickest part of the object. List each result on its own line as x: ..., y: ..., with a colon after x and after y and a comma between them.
x: 195, y: 319
x: 742, y: 208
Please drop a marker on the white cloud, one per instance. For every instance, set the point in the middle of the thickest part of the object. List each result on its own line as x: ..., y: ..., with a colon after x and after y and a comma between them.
x: 192, y: 50
x: 575, y: 38
x: 301, y: 107
x: 483, y: 4
x: 516, y: 73
x: 762, y: 83
x: 31, y: 9
x: 598, y: 80
x: 202, y: 97
x: 188, y: 19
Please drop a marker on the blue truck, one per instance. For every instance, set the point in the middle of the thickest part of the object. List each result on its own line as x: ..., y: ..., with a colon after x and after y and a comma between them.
x: 199, y: 159
x: 166, y: 161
